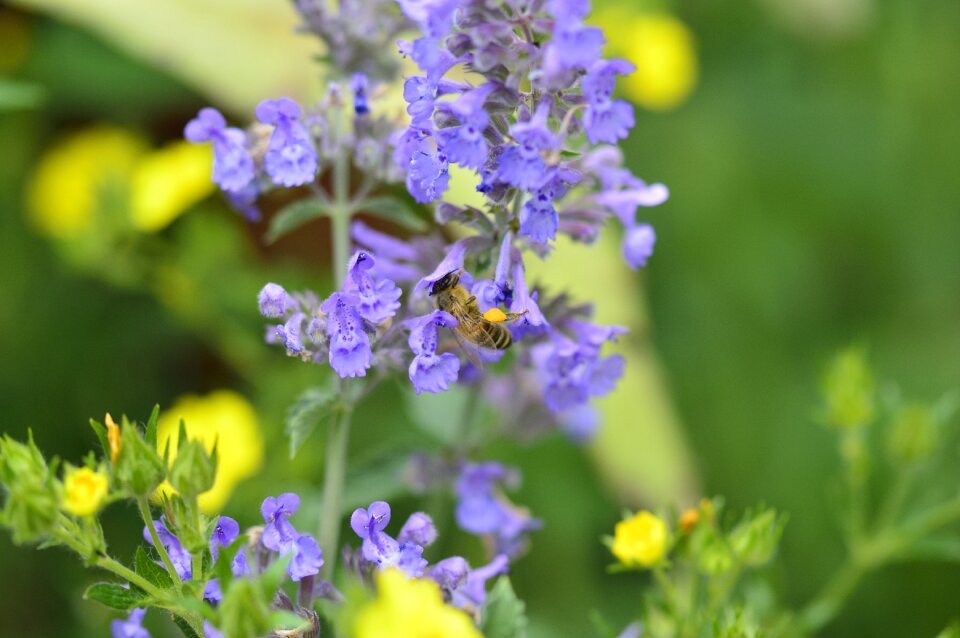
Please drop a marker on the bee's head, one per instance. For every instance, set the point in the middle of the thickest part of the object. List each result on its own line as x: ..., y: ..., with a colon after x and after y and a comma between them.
x: 446, y: 282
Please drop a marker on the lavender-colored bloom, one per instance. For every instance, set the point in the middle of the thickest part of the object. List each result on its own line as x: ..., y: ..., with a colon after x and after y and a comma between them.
x: 307, y: 558
x: 378, y: 301
x: 633, y: 630
x: 575, y: 45
x: 289, y: 333
x: 532, y: 319
x: 451, y: 262
x: 430, y: 372
x: 522, y: 166
x: 478, y: 510
x: 224, y: 533
x: 450, y: 573
x: 350, y: 353
x: 279, y: 532
x: 465, y: 144
x: 212, y: 592
x: 572, y: 372
x: 369, y: 522
x: 580, y: 423
x: 381, y: 244
x: 273, y: 301
x: 244, y: 201
x: 418, y: 529
x: 359, y: 87
x: 539, y: 220
x: 132, y: 627
x: 606, y: 120
x: 434, y: 17
x: 290, y: 159
x: 638, y: 245
x: 592, y: 336
x: 624, y: 202
x: 408, y: 559
x: 179, y: 556
x: 210, y: 631
x: 379, y: 547
x: 569, y: 9
x: 428, y: 176
x: 492, y: 293
x: 232, y: 163
x: 474, y: 591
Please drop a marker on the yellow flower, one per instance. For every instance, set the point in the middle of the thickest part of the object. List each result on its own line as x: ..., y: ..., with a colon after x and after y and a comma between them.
x: 106, y: 174
x: 169, y: 181
x: 113, y: 438
x: 83, y: 491
x: 640, y: 541
x: 662, y: 47
x: 223, y: 416
x: 411, y: 608
x: 75, y: 178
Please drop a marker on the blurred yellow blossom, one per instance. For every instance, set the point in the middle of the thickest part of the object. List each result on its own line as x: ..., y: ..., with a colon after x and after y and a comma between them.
x: 83, y: 491
x: 113, y: 438
x: 411, y: 608
x: 640, y: 541
x: 106, y: 176
x: 224, y: 417
x: 663, y: 49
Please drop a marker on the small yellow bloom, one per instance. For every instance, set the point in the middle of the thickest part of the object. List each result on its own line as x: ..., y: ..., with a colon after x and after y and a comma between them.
x: 224, y: 417
x: 640, y: 541
x: 83, y: 491
x: 662, y: 47
x: 495, y: 315
x: 169, y: 181
x: 689, y: 519
x: 411, y: 608
x: 113, y: 438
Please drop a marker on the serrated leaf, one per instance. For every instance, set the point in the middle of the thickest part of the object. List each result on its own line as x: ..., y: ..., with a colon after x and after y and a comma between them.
x: 393, y: 209
x: 312, y: 407
x: 114, y: 596
x: 504, y: 615
x: 150, y: 570
x: 295, y: 215
x: 184, y: 627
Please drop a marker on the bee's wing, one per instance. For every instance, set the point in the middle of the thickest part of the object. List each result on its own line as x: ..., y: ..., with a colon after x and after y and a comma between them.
x: 471, y: 350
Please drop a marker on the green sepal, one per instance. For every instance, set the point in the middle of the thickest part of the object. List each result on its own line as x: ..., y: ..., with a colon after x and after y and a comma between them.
x: 193, y: 470
x: 139, y: 468
x: 101, y: 431
x: 114, y: 596
x: 150, y: 435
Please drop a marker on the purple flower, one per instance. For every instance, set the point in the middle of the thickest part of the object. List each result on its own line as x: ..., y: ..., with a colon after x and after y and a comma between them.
x: 381, y: 244
x: 306, y: 558
x: 521, y: 165
x: 580, y: 423
x: 478, y: 510
x: 624, y: 202
x: 290, y: 159
x: 532, y: 319
x: 210, y: 631
x: 572, y: 372
x: 492, y: 293
x: 434, y: 17
x: 244, y: 201
x: 539, y: 220
x: 451, y: 262
x: 369, y: 523
x: 232, y: 164
x: 279, y: 532
x: 178, y: 555
x: 575, y: 45
x: 418, y: 529
x: 569, y: 9
x: 465, y: 144
x: 212, y: 591
x: 638, y: 245
x: 450, y: 573
x: 350, y: 353
x: 473, y: 594
x: 132, y: 627
x: 606, y: 120
x: 224, y: 533
x: 359, y: 87
x: 429, y: 371
x: 289, y: 333
x: 377, y: 300
x: 379, y: 547
x: 428, y: 176
x: 273, y: 301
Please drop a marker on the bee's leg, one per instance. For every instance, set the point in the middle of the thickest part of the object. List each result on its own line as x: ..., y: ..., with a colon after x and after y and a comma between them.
x: 472, y: 299
x: 512, y: 316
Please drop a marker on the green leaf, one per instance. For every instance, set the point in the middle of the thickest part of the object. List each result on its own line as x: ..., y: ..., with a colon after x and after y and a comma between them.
x: 392, y: 209
x: 313, y: 406
x: 504, y: 614
x: 114, y: 596
x: 150, y: 570
x: 151, y: 434
x: 184, y: 627
x: 101, y: 431
x: 940, y: 548
x: 294, y: 216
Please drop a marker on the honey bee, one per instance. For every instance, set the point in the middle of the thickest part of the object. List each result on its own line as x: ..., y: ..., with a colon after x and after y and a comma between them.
x: 484, y: 330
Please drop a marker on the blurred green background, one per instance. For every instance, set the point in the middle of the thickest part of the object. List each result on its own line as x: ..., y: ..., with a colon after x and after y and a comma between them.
x: 815, y: 202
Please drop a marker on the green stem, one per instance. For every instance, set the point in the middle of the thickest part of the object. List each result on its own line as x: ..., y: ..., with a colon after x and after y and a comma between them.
x: 932, y: 520
x: 130, y: 576
x: 335, y: 469
x: 340, y: 217
x: 827, y: 604
x: 155, y: 538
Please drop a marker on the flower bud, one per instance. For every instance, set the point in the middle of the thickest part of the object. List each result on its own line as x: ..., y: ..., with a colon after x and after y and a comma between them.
x: 756, y: 537
x: 30, y: 510
x: 83, y: 491
x: 193, y: 469
x: 139, y: 468
x: 912, y: 435
x: 848, y: 390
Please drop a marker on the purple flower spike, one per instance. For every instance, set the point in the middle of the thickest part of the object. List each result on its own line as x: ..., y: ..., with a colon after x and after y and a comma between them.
x: 307, y: 558
x: 378, y: 301
x: 638, y: 245
x: 279, y: 532
x: 290, y: 159
x: 273, y: 301
x: 132, y: 627
x: 430, y: 372
x: 465, y: 144
x: 606, y: 120
x: 522, y: 166
x: 350, y: 353
x: 575, y: 45
x: 232, y: 163
x: 418, y: 529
